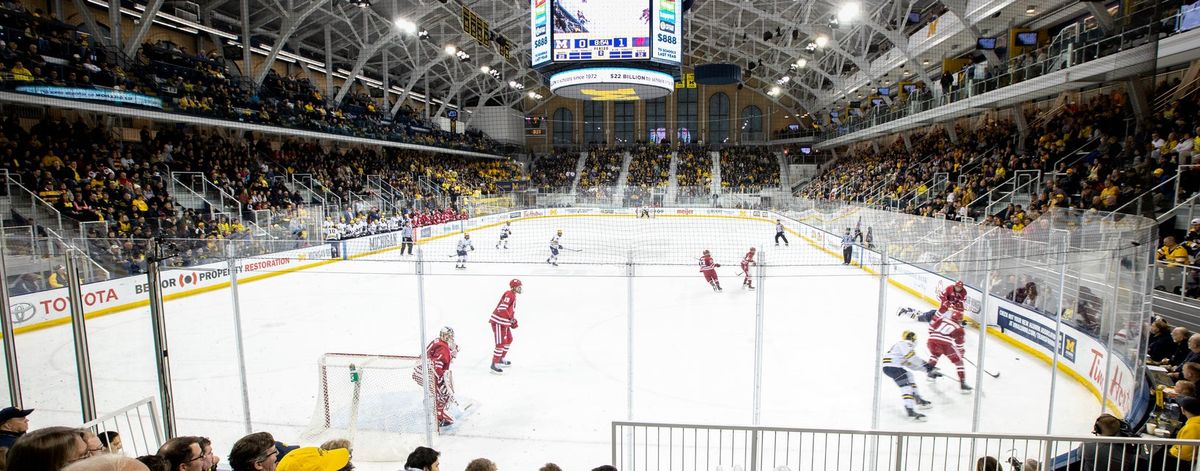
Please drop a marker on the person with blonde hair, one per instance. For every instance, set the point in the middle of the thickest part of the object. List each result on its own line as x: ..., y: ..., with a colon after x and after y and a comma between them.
x: 481, y: 464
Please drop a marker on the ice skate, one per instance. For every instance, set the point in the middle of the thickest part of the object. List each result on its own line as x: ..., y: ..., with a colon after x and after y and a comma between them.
x: 504, y: 363
x: 496, y: 369
x: 912, y: 414
x: 922, y: 403
x: 963, y: 386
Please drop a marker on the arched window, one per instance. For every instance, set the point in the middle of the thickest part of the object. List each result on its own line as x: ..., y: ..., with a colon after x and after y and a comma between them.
x: 656, y: 120
x: 623, y: 122
x: 593, y: 123
x: 718, y: 118
x: 686, y: 101
x: 563, y: 122
x: 751, y: 124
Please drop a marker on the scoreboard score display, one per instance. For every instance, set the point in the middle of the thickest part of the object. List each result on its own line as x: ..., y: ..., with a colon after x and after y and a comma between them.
x: 581, y: 31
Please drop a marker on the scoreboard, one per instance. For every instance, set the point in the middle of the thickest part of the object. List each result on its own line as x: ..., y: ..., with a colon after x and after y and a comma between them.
x: 581, y: 31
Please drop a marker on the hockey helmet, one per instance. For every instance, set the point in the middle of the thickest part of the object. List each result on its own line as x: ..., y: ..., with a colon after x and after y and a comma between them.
x: 560, y: 232
x: 447, y: 334
x: 958, y: 285
x: 957, y: 315
x: 706, y: 252
x: 909, y: 336
x: 752, y: 249
x: 515, y: 283
x: 467, y: 236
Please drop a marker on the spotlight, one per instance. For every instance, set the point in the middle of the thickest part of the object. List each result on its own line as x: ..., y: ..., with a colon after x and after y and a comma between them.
x: 405, y: 26
x: 1031, y: 10
x: 822, y: 40
x: 774, y: 91
x: 485, y: 69
x: 450, y: 49
x: 848, y: 12
x: 361, y: 3
x: 802, y: 63
x: 423, y: 34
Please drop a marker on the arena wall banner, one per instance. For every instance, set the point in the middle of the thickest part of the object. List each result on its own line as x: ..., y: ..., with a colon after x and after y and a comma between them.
x: 52, y: 307
x: 1081, y: 355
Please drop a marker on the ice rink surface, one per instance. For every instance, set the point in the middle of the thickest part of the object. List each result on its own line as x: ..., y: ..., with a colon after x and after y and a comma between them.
x: 693, y: 349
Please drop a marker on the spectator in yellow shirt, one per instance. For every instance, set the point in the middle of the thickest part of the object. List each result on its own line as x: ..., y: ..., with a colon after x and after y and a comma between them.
x: 1181, y: 456
x: 58, y: 278
x: 1172, y: 253
x: 20, y: 73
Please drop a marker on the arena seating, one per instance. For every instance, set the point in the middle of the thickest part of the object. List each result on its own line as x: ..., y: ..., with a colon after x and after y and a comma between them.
x: 553, y: 172
x: 694, y: 171
x: 748, y: 169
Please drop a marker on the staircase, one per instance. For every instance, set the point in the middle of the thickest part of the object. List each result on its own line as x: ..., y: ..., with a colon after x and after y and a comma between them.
x: 579, y: 165
x: 1016, y: 190
x: 623, y: 177
x: 195, y: 191
x: 672, y: 181
x: 716, y: 172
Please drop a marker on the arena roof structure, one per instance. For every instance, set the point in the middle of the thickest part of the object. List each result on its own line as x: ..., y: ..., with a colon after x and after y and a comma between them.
x: 805, y: 55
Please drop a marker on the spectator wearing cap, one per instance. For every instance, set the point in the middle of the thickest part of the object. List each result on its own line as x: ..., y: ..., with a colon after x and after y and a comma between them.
x: 315, y: 459
x: 254, y: 452
x: 58, y: 278
x: 422, y: 459
x: 13, y: 424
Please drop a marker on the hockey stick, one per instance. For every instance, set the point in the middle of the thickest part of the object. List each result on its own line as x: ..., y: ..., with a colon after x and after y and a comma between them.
x: 989, y: 373
x: 572, y: 250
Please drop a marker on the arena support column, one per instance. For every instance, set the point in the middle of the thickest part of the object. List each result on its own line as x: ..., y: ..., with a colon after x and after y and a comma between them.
x: 83, y: 361
x: 1062, y: 284
x: 158, y: 325
x: 760, y: 269
x: 237, y: 330
x: 983, y: 323
x: 629, y: 273
x: 880, y: 327
x: 6, y: 329
x: 428, y: 401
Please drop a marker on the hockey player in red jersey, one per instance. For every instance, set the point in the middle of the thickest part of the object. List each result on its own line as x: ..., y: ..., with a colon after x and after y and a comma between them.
x: 440, y: 352
x: 953, y: 297
x: 746, y: 262
x: 709, y: 269
x: 503, y: 322
x: 946, y: 338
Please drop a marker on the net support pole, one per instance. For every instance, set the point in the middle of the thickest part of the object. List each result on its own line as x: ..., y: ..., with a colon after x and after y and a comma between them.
x: 239, y: 337
x: 759, y: 311
x: 1062, y: 285
x: 6, y: 329
x: 159, y: 327
x: 629, y: 272
x: 980, y: 355
x: 428, y: 400
x: 880, y: 315
x: 83, y: 361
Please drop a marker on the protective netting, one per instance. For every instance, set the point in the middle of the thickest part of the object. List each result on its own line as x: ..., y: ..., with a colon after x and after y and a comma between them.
x: 372, y: 401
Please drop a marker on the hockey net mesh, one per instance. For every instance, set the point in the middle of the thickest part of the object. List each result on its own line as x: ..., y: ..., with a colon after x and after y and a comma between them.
x: 378, y: 406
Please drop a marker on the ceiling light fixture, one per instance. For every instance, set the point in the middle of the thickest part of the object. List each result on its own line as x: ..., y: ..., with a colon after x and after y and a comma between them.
x: 848, y: 12
x: 450, y: 49
x: 405, y: 25
x: 822, y: 40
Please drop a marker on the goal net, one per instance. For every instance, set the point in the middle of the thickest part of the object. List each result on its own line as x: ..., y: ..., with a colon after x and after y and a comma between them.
x: 373, y: 401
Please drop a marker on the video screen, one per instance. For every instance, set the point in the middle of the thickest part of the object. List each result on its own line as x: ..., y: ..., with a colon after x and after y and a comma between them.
x: 586, y: 30
x: 910, y: 88
x: 986, y: 44
x: 1027, y: 38
x: 806, y: 150
x: 885, y: 91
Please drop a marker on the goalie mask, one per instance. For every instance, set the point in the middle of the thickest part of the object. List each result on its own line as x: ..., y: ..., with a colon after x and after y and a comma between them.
x: 447, y: 335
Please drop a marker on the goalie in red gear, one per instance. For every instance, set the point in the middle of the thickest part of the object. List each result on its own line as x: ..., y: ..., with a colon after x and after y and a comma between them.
x: 946, y: 336
x: 503, y: 322
x: 746, y: 262
x: 709, y: 269
x: 953, y: 297
x: 440, y: 352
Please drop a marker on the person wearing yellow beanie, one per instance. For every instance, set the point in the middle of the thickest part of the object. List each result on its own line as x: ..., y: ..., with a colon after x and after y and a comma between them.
x: 315, y: 459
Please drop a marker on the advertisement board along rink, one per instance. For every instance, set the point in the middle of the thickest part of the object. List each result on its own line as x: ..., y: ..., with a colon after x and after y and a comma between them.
x: 693, y: 349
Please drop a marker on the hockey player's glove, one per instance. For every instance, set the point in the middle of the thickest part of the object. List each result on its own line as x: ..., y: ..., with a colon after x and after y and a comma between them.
x: 718, y: 265
x: 514, y: 323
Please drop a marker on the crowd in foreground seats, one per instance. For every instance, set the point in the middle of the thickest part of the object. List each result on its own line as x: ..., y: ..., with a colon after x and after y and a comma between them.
x: 36, y: 49
x: 649, y: 168
x: 602, y: 168
x: 81, y: 449
x: 748, y: 169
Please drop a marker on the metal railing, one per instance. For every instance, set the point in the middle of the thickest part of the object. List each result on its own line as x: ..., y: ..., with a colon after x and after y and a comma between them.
x: 138, y: 425
x: 644, y: 446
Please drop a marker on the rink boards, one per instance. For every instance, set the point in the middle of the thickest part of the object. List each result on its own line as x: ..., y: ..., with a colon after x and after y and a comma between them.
x: 1080, y: 355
